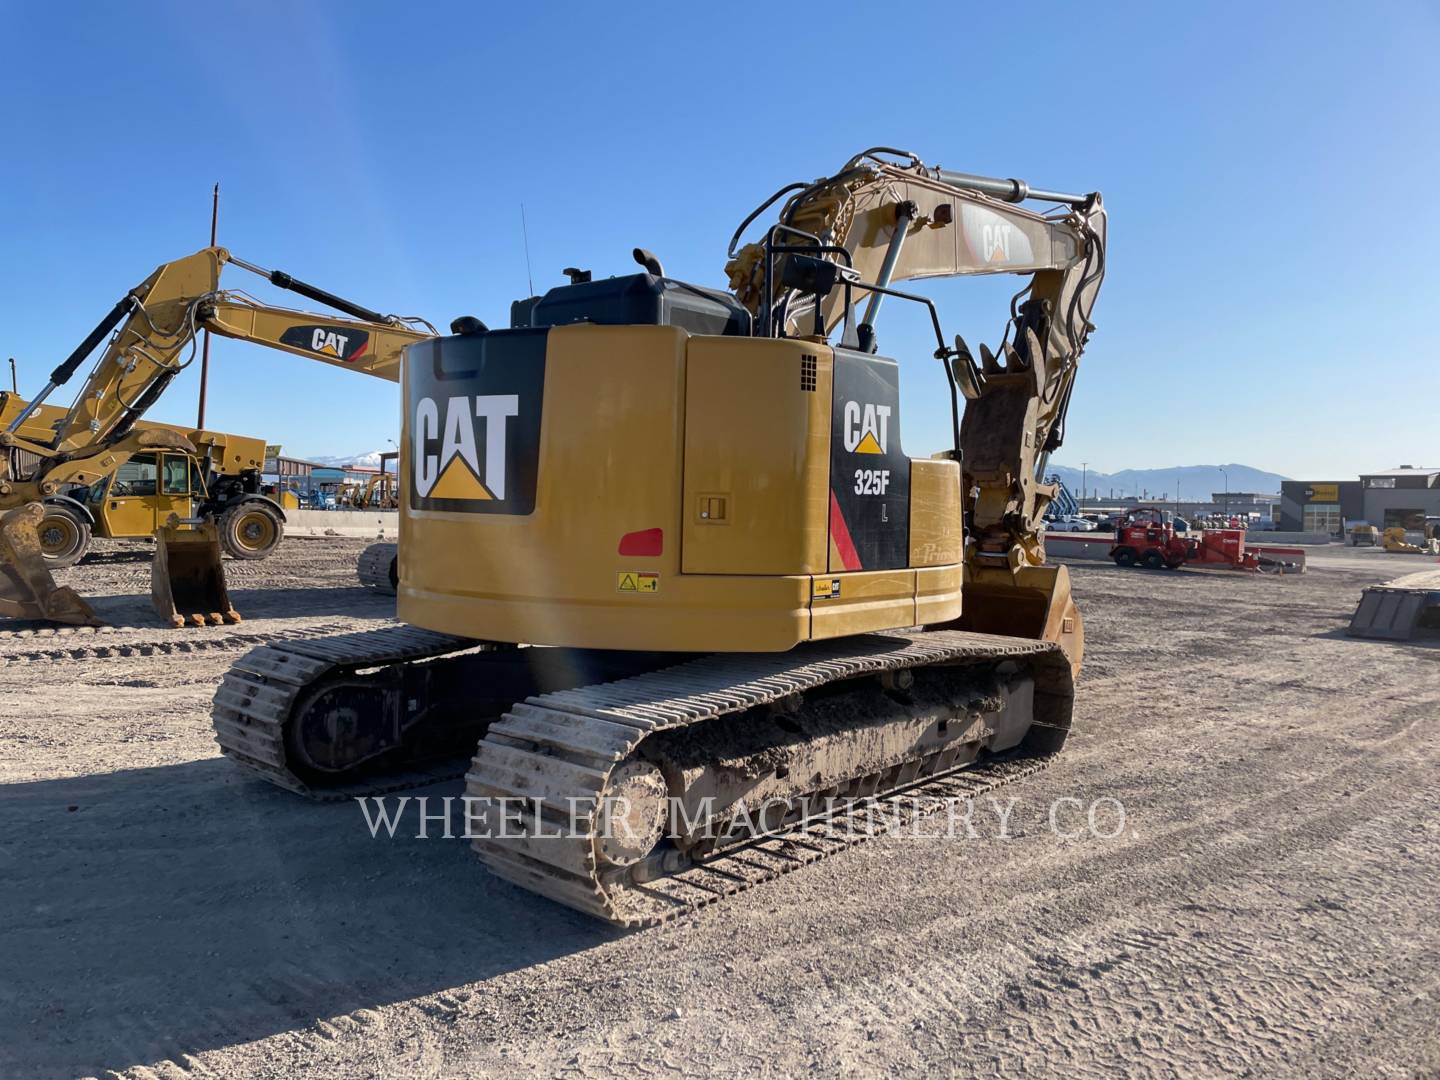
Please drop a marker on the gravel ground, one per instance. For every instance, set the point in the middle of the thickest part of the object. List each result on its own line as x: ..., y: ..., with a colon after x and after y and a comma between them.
x: 1267, y: 907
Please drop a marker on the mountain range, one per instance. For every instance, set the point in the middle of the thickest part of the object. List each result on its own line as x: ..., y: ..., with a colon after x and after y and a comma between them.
x: 1180, y: 481
x: 369, y: 459
x: 1194, y: 481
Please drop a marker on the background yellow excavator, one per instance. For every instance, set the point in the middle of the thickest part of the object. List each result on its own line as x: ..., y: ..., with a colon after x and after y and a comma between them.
x: 151, y: 332
x: 756, y: 605
x: 1397, y: 541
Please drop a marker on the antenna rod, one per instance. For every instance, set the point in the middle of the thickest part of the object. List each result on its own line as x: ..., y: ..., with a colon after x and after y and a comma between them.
x: 205, y: 348
x: 525, y: 232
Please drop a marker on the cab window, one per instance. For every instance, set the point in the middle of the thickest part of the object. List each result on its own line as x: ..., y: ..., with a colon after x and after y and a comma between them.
x: 135, y: 477
x: 176, y: 476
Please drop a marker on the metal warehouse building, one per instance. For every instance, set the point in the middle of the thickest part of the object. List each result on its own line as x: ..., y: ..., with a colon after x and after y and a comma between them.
x: 1403, y: 497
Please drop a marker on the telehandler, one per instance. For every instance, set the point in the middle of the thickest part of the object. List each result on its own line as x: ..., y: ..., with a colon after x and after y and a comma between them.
x: 151, y: 336
x: 756, y: 608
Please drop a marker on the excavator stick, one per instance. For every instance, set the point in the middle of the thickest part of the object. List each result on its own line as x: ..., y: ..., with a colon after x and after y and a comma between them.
x: 1026, y: 602
x: 187, y: 579
x: 27, y: 590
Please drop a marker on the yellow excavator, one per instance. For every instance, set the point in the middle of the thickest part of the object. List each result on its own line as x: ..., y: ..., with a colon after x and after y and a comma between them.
x: 151, y: 334
x: 756, y: 612
x: 1396, y: 541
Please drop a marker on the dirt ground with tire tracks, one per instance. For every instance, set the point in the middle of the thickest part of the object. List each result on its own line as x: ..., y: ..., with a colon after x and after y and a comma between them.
x: 1270, y: 904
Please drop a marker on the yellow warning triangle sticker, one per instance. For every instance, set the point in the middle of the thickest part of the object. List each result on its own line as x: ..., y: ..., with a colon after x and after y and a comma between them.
x: 868, y: 445
x: 458, y: 482
x: 627, y: 583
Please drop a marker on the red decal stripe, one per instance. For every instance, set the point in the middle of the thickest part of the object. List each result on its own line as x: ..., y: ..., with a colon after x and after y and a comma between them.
x: 645, y: 542
x: 840, y: 533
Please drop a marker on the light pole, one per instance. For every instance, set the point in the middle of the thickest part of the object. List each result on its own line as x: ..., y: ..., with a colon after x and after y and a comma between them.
x: 1226, y: 510
x: 1084, y: 473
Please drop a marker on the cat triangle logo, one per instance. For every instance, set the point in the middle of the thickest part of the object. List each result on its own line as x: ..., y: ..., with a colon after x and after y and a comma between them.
x: 458, y: 482
x: 868, y: 445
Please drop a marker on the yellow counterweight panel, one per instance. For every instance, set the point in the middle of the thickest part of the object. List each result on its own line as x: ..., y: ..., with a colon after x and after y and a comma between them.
x: 937, y: 536
x: 645, y: 428
x: 757, y: 456
x: 937, y: 594
x: 612, y: 432
x: 868, y: 600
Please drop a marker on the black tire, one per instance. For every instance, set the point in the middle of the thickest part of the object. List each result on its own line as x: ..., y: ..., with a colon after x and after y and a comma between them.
x: 251, y: 530
x: 1154, y: 560
x: 1125, y: 557
x: 64, y: 536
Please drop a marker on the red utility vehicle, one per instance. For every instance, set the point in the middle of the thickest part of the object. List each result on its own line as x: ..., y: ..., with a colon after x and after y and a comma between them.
x: 1147, y: 536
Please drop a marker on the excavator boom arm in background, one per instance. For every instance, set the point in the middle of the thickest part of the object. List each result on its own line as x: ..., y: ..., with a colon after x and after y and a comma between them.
x: 155, y: 327
x: 151, y: 335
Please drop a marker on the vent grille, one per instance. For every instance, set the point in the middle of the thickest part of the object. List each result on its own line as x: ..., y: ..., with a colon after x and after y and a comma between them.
x: 23, y: 463
x: 807, y: 373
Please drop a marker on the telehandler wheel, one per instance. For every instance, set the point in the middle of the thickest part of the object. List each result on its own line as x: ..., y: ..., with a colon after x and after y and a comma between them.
x: 64, y: 536
x: 1125, y: 557
x: 1154, y: 560
x: 251, y: 530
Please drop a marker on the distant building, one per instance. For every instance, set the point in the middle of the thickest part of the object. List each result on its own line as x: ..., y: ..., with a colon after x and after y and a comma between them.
x: 1247, y: 499
x: 1402, y: 497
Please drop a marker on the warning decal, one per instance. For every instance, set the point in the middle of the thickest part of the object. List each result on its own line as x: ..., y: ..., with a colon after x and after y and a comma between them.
x: 637, y: 581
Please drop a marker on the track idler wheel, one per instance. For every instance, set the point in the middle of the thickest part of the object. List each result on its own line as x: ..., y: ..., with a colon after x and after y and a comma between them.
x: 634, y: 813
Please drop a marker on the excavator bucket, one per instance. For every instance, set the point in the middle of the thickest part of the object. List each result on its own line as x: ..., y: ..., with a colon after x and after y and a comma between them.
x: 187, y: 579
x: 27, y: 591
x: 1027, y: 602
x: 1400, y: 610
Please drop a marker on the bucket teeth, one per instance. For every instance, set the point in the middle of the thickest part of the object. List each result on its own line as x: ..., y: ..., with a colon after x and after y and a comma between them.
x: 27, y: 589
x: 988, y: 363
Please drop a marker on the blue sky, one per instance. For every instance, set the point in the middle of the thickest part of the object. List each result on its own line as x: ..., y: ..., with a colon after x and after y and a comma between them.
x: 1270, y: 172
